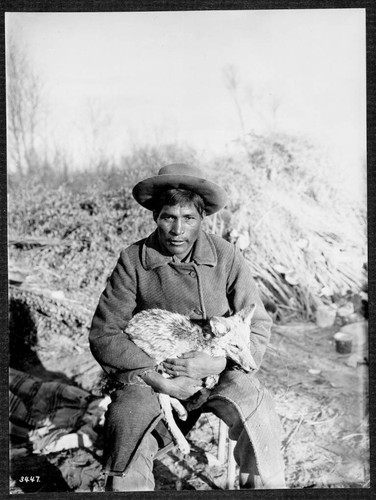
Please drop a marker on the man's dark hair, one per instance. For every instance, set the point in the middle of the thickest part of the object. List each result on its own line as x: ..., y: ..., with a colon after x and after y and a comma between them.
x: 173, y: 197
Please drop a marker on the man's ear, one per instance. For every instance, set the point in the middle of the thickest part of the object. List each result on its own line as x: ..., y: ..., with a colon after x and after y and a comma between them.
x: 155, y: 215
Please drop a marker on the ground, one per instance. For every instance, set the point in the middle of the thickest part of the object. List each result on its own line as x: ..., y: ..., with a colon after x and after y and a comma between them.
x: 321, y: 398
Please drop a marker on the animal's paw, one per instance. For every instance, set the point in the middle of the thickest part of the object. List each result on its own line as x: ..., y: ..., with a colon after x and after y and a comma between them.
x: 184, y: 446
x: 179, y: 408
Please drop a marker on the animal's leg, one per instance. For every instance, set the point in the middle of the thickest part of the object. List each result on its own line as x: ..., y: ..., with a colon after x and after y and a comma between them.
x: 179, y: 408
x: 182, y: 443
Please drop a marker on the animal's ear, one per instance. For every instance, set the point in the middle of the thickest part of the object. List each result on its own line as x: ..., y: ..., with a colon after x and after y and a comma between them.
x: 247, y: 313
x: 219, y: 326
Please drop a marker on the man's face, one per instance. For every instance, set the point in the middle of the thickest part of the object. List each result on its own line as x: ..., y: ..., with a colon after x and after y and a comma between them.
x: 178, y: 228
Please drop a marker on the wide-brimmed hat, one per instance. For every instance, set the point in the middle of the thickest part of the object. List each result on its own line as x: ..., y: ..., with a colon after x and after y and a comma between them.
x: 180, y: 176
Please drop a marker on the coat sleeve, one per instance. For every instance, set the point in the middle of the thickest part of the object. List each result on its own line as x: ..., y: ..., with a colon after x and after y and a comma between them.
x: 109, y: 343
x: 242, y: 291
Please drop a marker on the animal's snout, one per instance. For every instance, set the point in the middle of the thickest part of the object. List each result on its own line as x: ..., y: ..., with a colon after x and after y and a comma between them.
x: 248, y: 363
x: 242, y: 355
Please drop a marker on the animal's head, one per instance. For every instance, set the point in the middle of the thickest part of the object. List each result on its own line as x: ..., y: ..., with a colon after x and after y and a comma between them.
x: 233, y: 335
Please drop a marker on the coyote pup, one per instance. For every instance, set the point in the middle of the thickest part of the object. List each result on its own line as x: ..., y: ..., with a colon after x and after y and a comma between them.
x: 163, y: 334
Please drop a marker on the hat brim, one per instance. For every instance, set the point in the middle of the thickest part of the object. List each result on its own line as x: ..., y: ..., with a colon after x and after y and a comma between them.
x: 214, y: 196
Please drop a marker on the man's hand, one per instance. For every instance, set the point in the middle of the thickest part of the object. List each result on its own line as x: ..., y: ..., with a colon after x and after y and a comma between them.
x: 179, y: 387
x: 195, y: 364
x: 182, y: 387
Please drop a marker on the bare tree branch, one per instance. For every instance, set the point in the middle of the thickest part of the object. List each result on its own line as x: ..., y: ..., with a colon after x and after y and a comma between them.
x: 232, y: 84
x: 24, y: 109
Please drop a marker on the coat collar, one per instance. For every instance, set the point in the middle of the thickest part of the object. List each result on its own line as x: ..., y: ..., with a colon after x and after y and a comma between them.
x: 152, y: 255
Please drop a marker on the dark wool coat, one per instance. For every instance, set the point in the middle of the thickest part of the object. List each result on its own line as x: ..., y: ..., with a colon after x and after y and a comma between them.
x: 216, y: 282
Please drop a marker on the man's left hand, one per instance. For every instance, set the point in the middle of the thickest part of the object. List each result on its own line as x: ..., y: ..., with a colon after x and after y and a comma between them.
x: 195, y: 364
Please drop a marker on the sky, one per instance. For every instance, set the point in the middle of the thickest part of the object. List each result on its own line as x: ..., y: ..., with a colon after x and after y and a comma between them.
x: 125, y: 79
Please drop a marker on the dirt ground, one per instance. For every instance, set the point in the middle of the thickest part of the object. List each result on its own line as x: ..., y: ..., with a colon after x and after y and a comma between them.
x: 321, y: 397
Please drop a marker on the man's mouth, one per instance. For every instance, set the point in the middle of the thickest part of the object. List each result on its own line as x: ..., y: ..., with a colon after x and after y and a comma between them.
x: 176, y: 242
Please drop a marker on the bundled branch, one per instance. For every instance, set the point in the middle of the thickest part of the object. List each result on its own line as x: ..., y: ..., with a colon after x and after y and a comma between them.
x: 35, y: 241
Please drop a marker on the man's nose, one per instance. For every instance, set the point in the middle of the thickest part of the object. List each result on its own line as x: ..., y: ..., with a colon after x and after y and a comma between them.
x: 178, y: 227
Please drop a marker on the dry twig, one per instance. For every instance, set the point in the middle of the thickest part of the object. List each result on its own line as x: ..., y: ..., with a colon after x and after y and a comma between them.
x: 293, y: 433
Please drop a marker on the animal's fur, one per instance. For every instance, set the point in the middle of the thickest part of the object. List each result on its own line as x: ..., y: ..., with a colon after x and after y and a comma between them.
x: 163, y: 334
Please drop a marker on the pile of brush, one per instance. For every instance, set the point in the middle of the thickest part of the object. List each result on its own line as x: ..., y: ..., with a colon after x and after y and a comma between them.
x: 304, y: 240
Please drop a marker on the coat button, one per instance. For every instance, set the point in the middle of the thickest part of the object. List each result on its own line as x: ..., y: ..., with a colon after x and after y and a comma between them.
x: 193, y: 274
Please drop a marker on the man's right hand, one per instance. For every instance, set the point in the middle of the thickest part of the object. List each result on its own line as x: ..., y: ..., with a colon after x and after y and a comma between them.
x: 182, y: 387
x: 178, y: 387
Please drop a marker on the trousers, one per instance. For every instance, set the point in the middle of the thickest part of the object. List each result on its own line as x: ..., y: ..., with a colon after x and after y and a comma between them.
x: 134, y: 432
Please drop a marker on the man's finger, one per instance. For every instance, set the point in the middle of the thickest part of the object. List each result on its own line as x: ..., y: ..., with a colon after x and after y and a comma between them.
x: 171, y: 361
x: 190, y: 354
x: 171, y: 366
x: 175, y: 362
x: 175, y: 370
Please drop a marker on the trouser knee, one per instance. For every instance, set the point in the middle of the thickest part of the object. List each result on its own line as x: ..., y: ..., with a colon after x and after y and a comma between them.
x: 130, y: 414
